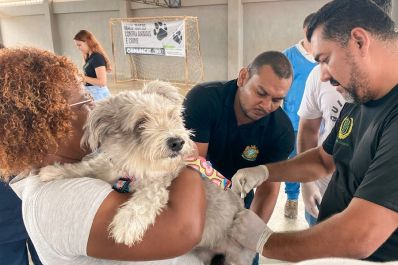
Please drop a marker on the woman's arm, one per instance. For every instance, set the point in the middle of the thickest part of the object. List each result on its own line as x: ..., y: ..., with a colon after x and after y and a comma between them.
x: 176, y: 231
x: 101, y: 77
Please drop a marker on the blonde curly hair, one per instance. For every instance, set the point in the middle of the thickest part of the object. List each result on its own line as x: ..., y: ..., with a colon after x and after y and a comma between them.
x: 34, y: 111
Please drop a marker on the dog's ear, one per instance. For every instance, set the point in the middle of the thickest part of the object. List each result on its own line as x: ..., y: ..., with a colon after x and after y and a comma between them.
x: 100, y: 122
x: 164, y: 89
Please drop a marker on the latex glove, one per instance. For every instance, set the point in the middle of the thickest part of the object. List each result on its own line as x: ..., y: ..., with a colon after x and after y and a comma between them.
x: 312, y: 197
x: 246, y: 179
x: 250, y: 230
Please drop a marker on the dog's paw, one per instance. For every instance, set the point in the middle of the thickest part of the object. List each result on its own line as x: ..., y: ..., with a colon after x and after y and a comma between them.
x: 177, y: 36
x: 160, y: 30
x: 127, y: 228
x: 52, y: 172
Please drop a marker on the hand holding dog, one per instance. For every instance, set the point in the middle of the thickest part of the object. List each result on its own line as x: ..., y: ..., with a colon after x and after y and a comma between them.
x: 250, y: 230
x: 249, y: 178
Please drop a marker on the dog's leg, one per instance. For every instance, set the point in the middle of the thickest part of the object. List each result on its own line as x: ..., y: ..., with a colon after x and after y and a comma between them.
x: 137, y: 214
x: 239, y: 256
x: 92, y: 168
x: 57, y: 171
x: 204, y: 254
x: 235, y: 254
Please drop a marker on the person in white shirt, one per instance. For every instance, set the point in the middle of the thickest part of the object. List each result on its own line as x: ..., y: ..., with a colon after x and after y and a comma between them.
x: 42, y: 112
x: 319, y: 110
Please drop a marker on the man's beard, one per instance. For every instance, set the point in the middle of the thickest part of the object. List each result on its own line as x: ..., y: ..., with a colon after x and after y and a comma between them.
x: 358, y: 81
x: 355, y: 86
x: 247, y: 114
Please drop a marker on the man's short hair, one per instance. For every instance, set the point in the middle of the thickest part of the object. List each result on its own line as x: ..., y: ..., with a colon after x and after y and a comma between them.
x: 277, y: 60
x: 307, y: 20
x: 339, y: 17
x: 386, y: 5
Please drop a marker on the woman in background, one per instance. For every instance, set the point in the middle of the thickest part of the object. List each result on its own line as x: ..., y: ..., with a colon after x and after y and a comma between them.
x: 96, y: 64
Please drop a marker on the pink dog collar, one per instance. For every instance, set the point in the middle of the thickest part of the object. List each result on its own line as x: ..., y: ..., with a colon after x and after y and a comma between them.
x: 199, y: 164
x: 207, y: 171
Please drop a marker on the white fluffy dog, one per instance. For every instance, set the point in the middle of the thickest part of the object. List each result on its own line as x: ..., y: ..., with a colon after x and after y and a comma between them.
x: 142, y: 134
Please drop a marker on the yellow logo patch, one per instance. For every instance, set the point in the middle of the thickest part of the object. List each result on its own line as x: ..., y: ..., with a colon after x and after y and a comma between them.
x: 250, y: 153
x: 345, y: 128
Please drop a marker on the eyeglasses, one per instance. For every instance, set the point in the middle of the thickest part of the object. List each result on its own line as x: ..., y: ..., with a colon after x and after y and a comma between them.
x: 81, y: 102
x: 87, y: 99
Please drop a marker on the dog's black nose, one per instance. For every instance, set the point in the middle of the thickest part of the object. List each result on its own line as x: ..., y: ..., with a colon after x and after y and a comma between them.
x: 175, y: 143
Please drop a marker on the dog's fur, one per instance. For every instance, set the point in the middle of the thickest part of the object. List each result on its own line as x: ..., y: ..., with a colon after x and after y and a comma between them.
x: 140, y: 134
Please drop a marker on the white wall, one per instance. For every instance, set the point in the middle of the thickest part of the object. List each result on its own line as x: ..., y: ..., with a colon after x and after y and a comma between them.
x: 395, y: 10
x: 274, y: 25
x: 25, y: 31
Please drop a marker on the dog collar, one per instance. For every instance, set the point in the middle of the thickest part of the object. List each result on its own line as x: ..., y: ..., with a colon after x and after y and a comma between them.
x: 207, y: 171
x: 199, y: 164
x: 123, y: 184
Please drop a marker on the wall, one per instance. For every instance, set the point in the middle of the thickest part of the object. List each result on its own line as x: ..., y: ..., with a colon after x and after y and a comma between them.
x: 274, y: 25
x: 232, y: 32
x: 395, y: 10
x: 24, y: 31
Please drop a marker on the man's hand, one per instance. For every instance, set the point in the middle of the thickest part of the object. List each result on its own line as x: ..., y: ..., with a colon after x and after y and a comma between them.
x: 250, y: 231
x: 249, y: 178
x: 312, y: 198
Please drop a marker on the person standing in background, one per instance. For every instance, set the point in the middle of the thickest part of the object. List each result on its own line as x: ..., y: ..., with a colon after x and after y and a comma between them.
x: 319, y: 110
x: 96, y: 64
x: 302, y: 62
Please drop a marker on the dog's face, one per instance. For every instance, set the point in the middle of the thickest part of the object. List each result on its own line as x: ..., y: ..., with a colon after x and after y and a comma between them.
x: 141, y: 131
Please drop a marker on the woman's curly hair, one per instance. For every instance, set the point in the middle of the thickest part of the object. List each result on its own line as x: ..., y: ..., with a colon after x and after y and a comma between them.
x: 34, y: 111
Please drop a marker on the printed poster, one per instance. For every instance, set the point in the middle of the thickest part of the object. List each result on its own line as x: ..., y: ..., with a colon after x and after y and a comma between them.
x: 164, y: 38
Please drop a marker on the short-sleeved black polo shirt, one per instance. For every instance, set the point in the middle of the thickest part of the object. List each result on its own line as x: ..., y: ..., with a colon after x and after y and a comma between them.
x: 209, y: 112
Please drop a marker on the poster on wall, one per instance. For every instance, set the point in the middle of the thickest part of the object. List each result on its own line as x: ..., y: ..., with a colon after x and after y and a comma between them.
x: 164, y: 38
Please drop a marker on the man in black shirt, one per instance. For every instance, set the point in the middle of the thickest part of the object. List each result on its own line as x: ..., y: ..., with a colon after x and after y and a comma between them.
x: 356, y: 44
x: 240, y: 124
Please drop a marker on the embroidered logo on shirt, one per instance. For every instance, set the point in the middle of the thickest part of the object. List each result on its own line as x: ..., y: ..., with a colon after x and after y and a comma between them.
x: 250, y: 153
x: 345, y: 128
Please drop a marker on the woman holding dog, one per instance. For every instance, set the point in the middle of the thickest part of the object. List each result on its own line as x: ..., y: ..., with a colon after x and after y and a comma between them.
x: 96, y: 64
x: 42, y: 112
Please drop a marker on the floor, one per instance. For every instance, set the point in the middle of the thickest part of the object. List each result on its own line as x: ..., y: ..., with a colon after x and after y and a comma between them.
x: 279, y: 222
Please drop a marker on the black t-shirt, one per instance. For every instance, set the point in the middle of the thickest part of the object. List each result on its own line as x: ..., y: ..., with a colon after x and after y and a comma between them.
x: 364, y: 145
x: 93, y: 61
x: 210, y: 114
